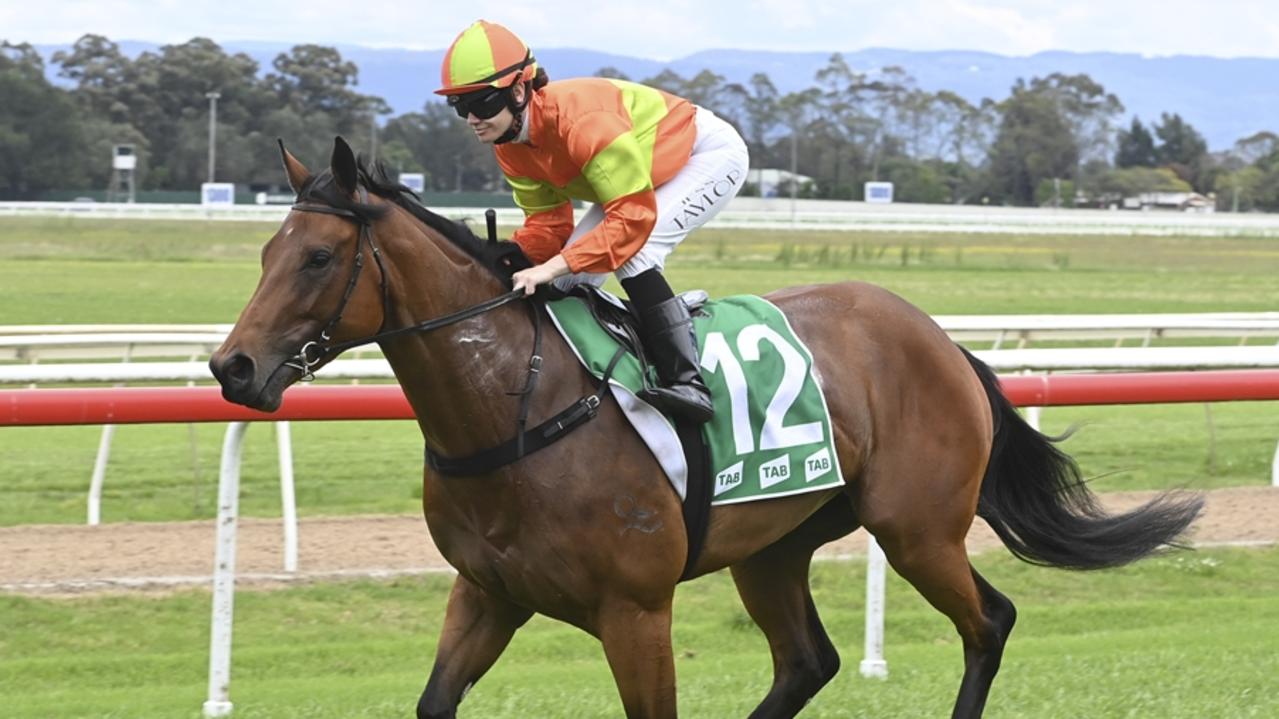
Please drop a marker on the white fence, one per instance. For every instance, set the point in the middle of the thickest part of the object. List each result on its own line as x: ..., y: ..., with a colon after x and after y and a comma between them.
x: 772, y: 213
x: 63, y: 342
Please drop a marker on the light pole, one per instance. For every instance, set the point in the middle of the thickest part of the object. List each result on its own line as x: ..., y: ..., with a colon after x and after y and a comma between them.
x: 213, y: 130
x: 794, y: 170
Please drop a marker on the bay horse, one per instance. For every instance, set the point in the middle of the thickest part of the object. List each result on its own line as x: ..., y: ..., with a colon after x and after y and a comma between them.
x: 587, y: 530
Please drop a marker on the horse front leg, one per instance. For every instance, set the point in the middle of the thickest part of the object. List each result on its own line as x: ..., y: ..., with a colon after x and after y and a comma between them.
x: 477, y: 628
x: 637, y: 643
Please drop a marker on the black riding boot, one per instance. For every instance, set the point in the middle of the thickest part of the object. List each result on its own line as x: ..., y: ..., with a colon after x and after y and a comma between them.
x: 670, y: 345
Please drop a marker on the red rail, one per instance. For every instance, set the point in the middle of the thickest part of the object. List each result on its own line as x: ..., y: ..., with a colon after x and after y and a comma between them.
x: 137, y: 405
x: 1141, y: 387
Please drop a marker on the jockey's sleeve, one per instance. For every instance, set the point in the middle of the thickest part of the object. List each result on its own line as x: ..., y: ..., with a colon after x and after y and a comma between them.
x: 618, y: 170
x: 548, y: 218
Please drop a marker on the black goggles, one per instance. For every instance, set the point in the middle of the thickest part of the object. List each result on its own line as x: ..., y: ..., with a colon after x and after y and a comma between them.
x: 484, y: 104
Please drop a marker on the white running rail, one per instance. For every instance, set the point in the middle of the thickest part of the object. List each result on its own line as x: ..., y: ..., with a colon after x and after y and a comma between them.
x: 768, y: 213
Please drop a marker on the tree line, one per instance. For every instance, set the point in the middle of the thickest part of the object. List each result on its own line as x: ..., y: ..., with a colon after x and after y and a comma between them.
x: 1052, y: 140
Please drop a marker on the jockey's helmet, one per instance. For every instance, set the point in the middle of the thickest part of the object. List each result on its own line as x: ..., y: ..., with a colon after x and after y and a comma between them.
x: 485, y: 55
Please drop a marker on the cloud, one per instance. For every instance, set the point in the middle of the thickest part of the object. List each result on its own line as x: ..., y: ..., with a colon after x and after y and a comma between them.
x: 663, y: 29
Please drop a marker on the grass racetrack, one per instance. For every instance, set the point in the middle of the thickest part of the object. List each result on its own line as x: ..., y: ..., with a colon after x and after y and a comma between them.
x: 1183, y: 637
x: 1189, y: 635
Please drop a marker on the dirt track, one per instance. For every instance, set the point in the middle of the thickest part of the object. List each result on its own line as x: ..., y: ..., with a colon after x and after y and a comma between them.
x: 69, y: 559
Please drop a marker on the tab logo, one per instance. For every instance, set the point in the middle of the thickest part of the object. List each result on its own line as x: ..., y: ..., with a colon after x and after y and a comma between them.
x: 816, y: 465
x: 774, y: 472
x: 728, y: 479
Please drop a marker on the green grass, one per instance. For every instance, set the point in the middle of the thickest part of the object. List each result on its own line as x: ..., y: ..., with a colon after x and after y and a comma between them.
x: 129, y: 292
x: 1185, y: 636
x: 76, y: 270
x: 79, y: 271
x: 170, y: 472
x: 77, y: 238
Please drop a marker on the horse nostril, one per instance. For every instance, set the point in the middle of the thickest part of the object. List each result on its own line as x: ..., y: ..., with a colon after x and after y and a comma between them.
x: 237, y: 370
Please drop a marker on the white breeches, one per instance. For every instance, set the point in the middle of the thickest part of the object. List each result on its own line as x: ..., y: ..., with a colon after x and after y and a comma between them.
x: 713, y: 176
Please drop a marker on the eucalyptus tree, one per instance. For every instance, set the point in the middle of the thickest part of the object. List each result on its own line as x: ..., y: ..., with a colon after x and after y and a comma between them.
x: 444, y: 148
x: 763, y: 117
x: 1034, y: 143
x: 798, y: 111
x: 40, y: 142
x: 1090, y: 113
x: 841, y: 123
x: 168, y: 103
x: 1135, y: 146
x: 1183, y: 149
x: 110, y: 100
x: 103, y: 77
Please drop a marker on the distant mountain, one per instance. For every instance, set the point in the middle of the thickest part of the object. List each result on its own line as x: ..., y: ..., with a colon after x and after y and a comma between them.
x: 1225, y: 99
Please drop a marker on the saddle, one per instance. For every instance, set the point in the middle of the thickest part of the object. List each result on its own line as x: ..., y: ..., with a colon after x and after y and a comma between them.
x: 616, y: 317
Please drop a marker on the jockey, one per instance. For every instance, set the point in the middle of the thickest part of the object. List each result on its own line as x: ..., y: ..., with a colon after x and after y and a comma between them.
x: 654, y: 165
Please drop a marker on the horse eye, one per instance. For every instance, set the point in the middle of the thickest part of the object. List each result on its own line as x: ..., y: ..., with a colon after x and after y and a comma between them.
x: 319, y: 258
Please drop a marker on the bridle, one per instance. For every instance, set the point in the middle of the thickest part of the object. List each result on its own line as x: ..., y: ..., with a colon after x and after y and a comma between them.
x: 487, y: 460
x: 314, y: 352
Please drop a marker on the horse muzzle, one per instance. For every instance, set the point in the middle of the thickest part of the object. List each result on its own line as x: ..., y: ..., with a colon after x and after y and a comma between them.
x: 243, y: 382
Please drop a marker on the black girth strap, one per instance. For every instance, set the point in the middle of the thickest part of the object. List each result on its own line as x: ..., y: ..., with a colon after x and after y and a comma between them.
x: 530, y: 441
x: 697, y: 492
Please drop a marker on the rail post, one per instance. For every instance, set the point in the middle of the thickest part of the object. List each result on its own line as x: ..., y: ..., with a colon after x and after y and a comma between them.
x: 288, y: 498
x: 873, y: 665
x: 99, y: 474
x: 219, y: 701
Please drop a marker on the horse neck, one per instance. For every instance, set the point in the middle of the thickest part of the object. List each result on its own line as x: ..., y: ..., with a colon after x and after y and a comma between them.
x: 457, y: 378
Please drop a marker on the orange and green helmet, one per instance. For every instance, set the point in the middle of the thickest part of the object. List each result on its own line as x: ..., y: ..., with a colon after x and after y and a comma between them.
x: 485, y: 55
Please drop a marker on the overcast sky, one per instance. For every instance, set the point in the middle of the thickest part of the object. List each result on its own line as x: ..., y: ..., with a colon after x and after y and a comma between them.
x: 667, y: 29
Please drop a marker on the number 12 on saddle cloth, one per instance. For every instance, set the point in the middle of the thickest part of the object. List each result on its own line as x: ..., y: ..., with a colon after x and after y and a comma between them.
x: 771, y: 433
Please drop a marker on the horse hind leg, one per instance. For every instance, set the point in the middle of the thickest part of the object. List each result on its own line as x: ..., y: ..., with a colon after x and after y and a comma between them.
x: 981, y: 664
x: 984, y: 618
x: 773, y: 584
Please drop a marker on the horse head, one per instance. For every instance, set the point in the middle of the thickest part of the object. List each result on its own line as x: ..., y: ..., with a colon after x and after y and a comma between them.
x: 315, y: 287
x: 330, y: 282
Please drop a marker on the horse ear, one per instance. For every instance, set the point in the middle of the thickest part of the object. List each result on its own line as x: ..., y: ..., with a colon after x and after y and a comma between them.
x: 343, y: 165
x: 296, y: 172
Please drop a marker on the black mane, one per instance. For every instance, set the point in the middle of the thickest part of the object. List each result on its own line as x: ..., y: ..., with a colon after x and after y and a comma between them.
x: 501, y: 258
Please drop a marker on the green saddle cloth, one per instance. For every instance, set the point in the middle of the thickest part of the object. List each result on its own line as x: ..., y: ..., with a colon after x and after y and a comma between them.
x: 771, y: 433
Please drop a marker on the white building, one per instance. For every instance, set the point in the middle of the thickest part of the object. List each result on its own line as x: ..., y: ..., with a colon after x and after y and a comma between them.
x: 1176, y: 201
x: 773, y: 182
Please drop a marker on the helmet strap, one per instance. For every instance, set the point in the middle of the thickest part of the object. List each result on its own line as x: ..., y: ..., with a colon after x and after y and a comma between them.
x: 517, y: 112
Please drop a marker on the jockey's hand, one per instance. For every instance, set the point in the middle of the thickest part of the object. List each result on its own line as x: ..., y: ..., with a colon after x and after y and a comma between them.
x: 528, y: 280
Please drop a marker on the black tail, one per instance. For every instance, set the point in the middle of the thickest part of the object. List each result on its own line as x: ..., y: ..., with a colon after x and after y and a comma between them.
x: 1035, y: 499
